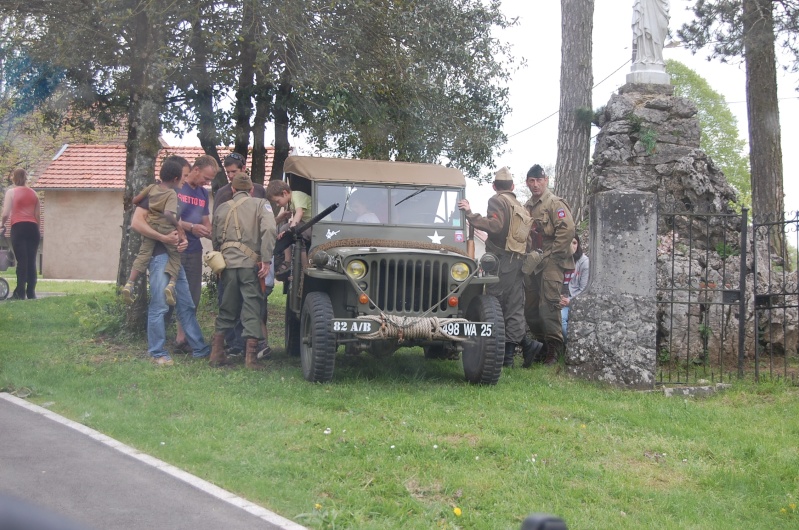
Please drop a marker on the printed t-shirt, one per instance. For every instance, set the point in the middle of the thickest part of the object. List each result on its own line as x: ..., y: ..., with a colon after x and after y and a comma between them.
x: 192, y: 207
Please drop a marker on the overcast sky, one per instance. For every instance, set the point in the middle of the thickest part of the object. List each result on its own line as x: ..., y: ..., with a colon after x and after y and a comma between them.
x: 534, y: 91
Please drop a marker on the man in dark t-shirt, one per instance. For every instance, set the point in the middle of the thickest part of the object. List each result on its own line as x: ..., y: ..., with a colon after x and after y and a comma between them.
x: 195, y: 218
x: 157, y: 308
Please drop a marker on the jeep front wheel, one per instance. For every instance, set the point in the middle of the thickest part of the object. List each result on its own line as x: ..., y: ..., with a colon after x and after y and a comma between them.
x: 483, y: 356
x: 318, y: 347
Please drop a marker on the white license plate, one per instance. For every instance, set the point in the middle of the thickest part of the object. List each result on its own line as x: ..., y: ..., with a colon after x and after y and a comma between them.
x: 468, y: 329
x: 352, y: 325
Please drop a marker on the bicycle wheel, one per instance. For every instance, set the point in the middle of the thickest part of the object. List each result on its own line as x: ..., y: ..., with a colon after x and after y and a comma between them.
x: 3, y: 289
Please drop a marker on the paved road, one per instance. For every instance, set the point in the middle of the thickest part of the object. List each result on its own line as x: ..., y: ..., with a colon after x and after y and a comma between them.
x: 96, y: 482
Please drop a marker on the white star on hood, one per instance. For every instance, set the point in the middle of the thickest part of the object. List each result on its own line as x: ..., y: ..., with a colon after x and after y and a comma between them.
x: 435, y: 238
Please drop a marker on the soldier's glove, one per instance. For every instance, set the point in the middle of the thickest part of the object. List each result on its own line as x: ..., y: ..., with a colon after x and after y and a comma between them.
x: 532, y: 261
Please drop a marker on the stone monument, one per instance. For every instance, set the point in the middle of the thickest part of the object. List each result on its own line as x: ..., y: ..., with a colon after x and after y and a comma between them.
x: 613, y: 335
x: 650, y: 26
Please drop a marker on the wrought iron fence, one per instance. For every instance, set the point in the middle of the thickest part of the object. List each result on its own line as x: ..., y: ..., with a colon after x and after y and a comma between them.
x: 776, y: 296
x: 700, y: 295
x: 727, y: 297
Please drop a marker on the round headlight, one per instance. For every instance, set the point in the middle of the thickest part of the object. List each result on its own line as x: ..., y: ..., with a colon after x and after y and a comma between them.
x: 459, y: 271
x: 356, y: 269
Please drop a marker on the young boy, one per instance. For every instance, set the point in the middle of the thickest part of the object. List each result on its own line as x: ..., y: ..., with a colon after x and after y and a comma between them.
x: 162, y: 217
x: 296, y: 207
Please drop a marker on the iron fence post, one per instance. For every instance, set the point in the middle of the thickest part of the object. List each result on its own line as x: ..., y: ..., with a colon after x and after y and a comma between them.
x: 742, y: 297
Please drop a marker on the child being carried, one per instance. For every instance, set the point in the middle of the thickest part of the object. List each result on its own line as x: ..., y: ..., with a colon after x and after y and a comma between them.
x: 162, y: 201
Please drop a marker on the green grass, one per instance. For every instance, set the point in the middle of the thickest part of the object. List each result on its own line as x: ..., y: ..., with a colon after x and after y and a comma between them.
x: 399, y: 442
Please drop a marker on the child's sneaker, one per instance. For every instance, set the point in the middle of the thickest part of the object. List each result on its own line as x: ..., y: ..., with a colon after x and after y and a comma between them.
x: 169, y: 292
x: 127, y: 293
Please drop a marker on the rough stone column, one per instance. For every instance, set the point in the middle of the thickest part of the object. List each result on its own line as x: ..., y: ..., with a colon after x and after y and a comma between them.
x: 612, y: 326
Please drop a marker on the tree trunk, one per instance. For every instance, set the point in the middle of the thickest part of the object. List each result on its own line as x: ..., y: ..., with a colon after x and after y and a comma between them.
x: 574, y: 124
x: 242, y: 111
x: 142, y: 146
x: 203, y: 101
x: 765, y: 151
x: 282, y: 146
x: 262, y: 111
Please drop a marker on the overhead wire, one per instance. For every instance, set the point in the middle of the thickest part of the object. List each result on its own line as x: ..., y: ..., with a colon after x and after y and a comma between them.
x: 558, y: 111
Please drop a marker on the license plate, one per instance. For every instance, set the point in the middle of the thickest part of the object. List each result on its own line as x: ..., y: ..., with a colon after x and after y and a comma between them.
x: 468, y: 329
x: 352, y: 325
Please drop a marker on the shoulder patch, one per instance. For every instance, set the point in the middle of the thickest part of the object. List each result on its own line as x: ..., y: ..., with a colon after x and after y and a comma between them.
x: 267, y: 207
x: 561, y: 213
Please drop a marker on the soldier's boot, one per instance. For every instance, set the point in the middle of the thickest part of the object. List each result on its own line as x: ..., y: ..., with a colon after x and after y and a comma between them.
x: 510, y: 351
x: 531, y: 351
x: 218, y: 357
x: 553, y: 349
x: 251, y: 355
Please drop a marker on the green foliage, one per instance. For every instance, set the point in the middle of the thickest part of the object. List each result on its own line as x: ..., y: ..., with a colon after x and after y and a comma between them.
x: 718, y: 26
x: 649, y: 140
x: 598, y: 115
x: 664, y: 356
x: 725, y: 250
x: 636, y: 122
x: 719, y: 128
x: 102, y: 315
x: 584, y: 115
x: 413, y: 81
x: 437, y: 96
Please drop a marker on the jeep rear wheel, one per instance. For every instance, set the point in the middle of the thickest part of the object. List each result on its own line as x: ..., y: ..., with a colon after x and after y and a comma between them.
x: 483, y: 356
x: 318, y: 347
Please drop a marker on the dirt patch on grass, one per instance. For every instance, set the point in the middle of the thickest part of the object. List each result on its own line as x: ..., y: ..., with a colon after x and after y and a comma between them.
x: 460, y: 439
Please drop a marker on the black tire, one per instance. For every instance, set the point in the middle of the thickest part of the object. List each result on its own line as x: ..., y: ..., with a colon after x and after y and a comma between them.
x: 292, y: 333
x: 318, y: 347
x: 3, y: 289
x: 483, y: 356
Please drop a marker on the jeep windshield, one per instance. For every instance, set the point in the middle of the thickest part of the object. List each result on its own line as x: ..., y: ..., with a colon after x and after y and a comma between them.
x: 391, y: 205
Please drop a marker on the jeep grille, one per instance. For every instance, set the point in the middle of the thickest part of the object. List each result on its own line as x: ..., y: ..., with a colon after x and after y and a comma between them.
x: 411, y: 286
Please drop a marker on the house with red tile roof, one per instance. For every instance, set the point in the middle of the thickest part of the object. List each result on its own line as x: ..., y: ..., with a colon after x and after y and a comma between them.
x: 84, y: 187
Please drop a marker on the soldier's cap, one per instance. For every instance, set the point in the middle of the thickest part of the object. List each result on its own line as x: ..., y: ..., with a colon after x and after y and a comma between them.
x: 503, y: 174
x: 241, y: 182
x: 536, y: 172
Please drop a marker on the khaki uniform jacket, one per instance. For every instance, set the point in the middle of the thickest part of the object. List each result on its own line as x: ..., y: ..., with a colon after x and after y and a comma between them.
x: 258, y: 230
x: 553, y: 220
x: 496, y: 222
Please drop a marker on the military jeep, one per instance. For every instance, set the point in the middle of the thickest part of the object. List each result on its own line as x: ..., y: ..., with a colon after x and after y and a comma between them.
x: 388, y: 266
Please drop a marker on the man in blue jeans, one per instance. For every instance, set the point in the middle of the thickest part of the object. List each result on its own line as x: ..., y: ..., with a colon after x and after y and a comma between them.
x: 156, y: 328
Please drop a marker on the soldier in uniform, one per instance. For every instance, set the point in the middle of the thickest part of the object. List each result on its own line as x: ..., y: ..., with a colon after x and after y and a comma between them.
x: 549, y: 260
x: 510, y: 248
x: 244, y: 231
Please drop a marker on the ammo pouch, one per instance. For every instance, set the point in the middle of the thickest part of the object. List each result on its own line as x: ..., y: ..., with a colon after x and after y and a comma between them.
x: 532, y: 261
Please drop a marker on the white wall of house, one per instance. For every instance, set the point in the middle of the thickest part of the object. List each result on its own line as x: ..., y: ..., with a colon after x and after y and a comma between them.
x: 82, y: 234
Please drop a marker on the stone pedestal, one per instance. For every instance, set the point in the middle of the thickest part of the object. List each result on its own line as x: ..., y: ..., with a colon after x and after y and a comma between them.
x: 648, y: 74
x: 613, y: 324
